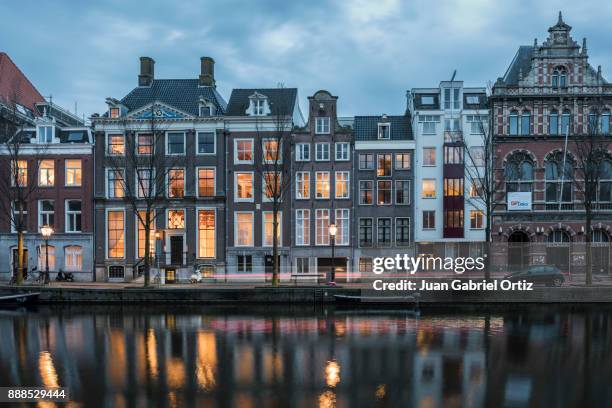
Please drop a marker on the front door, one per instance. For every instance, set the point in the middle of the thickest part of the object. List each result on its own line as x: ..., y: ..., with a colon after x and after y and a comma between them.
x: 16, y: 262
x: 176, y: 249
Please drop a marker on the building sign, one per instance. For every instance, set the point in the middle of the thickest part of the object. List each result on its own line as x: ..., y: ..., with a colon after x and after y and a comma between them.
x: 519, y: 201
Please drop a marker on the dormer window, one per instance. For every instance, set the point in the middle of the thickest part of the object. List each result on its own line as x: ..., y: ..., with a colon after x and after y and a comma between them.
x: 115, y: 113
x: 258, y: 107
x: 45, y: 134
x: 322, y: 125
x: 559, y: 77
x: 427, y: 100
x: 384, y: 131
x: 205, y: 111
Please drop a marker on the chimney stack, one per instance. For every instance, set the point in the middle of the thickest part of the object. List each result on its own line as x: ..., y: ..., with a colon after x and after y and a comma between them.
x: 207, y: 71
x: 147, y: 68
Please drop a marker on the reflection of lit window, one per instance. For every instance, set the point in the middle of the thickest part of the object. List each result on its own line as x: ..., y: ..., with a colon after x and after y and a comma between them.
x: 176, y: 219
x: 302, y: 184
x: 332, y: 373
x: 384, y: 165
x: 145, y: 143
x: 46, y: 173
x: 342, y: 184
x: 384, y: 192
x: 206, y: 233
x: 115, y: 183
x: 244, y: 186
x: 272, y: 186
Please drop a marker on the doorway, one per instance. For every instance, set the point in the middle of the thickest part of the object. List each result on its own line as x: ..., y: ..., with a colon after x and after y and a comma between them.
x: 170, y: 275
x: 16, y: 262
x: 176, y: 249
x: 518, y: 251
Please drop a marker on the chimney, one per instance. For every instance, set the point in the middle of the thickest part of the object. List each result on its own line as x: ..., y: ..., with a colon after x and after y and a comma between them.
x: 207, y: 71
x: 147, y: 65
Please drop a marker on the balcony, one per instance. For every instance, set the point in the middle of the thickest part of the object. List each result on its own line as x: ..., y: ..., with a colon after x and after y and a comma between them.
x: 453, y: 136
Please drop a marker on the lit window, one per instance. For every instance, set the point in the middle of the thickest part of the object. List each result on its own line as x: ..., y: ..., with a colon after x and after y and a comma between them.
x: 244, y: 186
x: 272, y: 186
x: 43, y: 250
x: 114, y: 113
x: 322, y: 184
x: 342, y: 184
x: 244, y: 150
x: 384, y: 165
x: 206, y: 143
x: 342, y: 151
x: 302, y: 230
x: 145, y: 183
x: 115, y: 183
x: 116, y: 145
x: 302, y: 152
x: 115, y: 234
x: 140, y: 220
x: 268, y: 228
x: 428, y: 189
x: 244, y: 229
x: 206, y: 234
x: 365, y: 265
x: 73, y: 172
x: 206, y: 182
x: 176, y: 183
x: 73, y: 216
x: 342, y: 224
x: 384, y: 192
x: 46, y: 213
x: 271, y: 151
x: 46, y: 173
x: 453, y: 187
x: 176, y: 219
x: 476, y: 219
x: 73, y: 258
x: 322, y: 125
x: 402, y: 161
x: 322, y: 226
x: 176, y: 143
x: 429, y: 156
x: 145, y: 143
x: 19, y: 173
x: 453, y: 219
x: 302, y: 183
x: 453, y: 155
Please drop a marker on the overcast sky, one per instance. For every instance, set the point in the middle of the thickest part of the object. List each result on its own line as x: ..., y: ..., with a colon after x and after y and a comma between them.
x: 366, y: 52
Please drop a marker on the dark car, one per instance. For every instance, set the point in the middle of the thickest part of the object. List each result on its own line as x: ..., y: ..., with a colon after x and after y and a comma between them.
x: 549, y: 275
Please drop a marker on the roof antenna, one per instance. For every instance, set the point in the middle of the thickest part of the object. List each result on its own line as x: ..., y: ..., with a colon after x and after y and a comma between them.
x: 454, y: 74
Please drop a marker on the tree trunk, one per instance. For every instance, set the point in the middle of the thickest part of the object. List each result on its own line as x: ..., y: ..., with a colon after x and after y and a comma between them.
x: 147, y: 254
x: 275, y: 269
x: 20, y: 260
x: 589, y: 254
x: 487, y: 251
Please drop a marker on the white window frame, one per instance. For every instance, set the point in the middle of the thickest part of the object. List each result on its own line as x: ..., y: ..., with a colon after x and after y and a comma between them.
x: 380, y: 126
x: 107, y: 152
x: 106, y: 183
x: 50, y: 170
x: 236, y: 160
x: 372, y: 190
x: 348, y: 185
x: 236, y: 229
x: 266, y: 199
x: 137, y: 145
x: 168, y: 143
x: 345, y: 222
x: 108, y: 210
x: 482, y: 220
x: 298, y: 182
x: 279, y: 151
x: 68, y: 213
x: 151, y: 180
x: 435, y: 195
x: 197, y: 180
x: 137, y: 232
x: 305, y: 231
x: 395, y: 190
x: 323, y: 144
x: 422, y: 219
x: 328, y: 182
x: 263, y: 228
x: 435, y: 150
x: 322, y: 125
x: 40, y: 214
x: 72, y: 168
x: 197, y: 251
x: 184, y: 183
x: 347, y: 151
x: 167, y: 220
x: 197, y: 143
x: 378, y: 181
x: 244, y: 200
x: 299, y: 152
x: 325, y: 241
x: 13, y: 216
x: 70, y: 252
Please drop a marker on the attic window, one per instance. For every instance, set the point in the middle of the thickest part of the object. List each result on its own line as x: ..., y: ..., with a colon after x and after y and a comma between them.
x: 75, y: 136
x: 205, y: 111
x: 258, y: 107
x: 115, y: 113
x: 384, y: 131
x: 427, y: 100
x: 45, y: 134
x: 472, y: 99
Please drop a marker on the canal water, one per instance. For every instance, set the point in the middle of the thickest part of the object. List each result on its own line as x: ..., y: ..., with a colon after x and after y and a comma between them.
x: 279, y: 356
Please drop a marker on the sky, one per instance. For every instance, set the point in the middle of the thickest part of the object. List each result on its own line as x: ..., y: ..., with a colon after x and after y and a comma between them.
x: 366, y: 52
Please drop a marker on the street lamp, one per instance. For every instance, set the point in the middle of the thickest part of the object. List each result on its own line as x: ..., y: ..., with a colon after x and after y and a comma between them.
x: 332, y: 234
x: 46, y: 232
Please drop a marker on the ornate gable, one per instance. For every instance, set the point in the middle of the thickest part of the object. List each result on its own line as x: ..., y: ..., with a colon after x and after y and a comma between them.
x: 160, y: 111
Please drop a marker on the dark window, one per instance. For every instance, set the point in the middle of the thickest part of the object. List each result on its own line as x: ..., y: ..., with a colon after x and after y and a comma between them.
x: 176, y: 143
x: 365, y: 191
x: 402, y: 192
x: 366, y: 161
x: 429, y: 219
x: 115, y: 272
x: 402, y: 231
x: 365, y: 232
x: 245, y: 263
x: 206, y: 142
x: 384, y: 231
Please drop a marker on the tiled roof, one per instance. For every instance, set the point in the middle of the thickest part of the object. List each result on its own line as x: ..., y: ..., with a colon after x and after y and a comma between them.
x: 278, y: 98
x: 15, y: 85
x: 521, y: 62
x: 366, y: 127
x: 183, y: 94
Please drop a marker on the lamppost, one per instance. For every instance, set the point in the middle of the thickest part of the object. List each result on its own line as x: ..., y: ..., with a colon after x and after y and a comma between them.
x: 332, y: 234
x: 46, y: 232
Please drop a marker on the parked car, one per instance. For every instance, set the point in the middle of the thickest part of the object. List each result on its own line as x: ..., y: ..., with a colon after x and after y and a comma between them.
x: 549, y: 275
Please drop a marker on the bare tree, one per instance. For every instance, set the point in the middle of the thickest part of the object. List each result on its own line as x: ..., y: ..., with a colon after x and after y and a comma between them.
x: 20, y: 162
x: 593, y: 164
x: 145, y: 160
x: 274, y: 165
x: 480, y: 173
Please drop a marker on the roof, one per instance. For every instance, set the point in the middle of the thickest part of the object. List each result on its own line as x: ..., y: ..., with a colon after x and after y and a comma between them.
x: 278, y: 98
x: 182, y: 94
x: 366, y: 127
x: 68, y: 135
x: 15, y: 85
x: 520, y: 63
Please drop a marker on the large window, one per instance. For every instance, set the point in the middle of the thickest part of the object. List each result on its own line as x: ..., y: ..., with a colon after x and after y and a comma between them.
x: 429, y: 220
x: 206, y: 143
x: 19, y: 173
x: 322, y: 125
x: 519, y: 173
x: 45, y: 134
x: 271, y: 151
x: 243, y: 150
x: 429, y: 156
x: 604, y: 192
x: 402, y: 192
x: 478, y: 124
x: 384, y: 232
x: 176, y: 143
x: 272, y: 186
x: 383, y: 168
x: 321, y: 151
x: 365, y: 232
x: 453, y: 187
x: 73, y: 258
x: 322, y: 226
x: 141, y: 236
x: 145, y: 185
x: 384, y: 192
x: 453, y: 219
x: 555, y: 177
x: 322, y: 185
x: 366, y: 191
x: 566, y: 122
x: 115, y: 183
x: 244, y: 229
x: 342, y: 184
x: 116, y: 145
x: 73, y: 172
x: 20, y: 216
x: 206, y: 233
x: 342, y: 151
x: 553, y: 122
x: 46, y: 213
x: 176, y: 183
x: 302, y: 185
x: 243, y: 186
x: 525, y: 123
x: 402, y: 231
x: 302, y: 227
x: 46, y: 173
x: 302, y: 265
x: 429, y: 123
x: 115, y: 235
x: 513, y: 123
x: 302, y: 152
x: 268, y: 228
x: 42, y: 257
x: 73, y: 216
x: 206, y: 182
x: 559, y: 77
x: 402, y: 161
x: 428, y: 188
x: 144, y: 143
x: 342, y: 224
x: 453, y: 155
x: 366, y: 161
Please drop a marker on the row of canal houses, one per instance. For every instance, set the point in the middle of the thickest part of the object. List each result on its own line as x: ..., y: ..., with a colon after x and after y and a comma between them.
x: 388, y: 184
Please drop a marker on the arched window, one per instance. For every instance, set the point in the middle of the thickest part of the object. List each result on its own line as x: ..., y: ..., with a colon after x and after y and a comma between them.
x: 605, y: 122
x: 604, y: 192
x: 558, y: 237
x: 593, y: 119
x: 565, y: 122
x: 553, y: 122
x: 525, y: 123
x: 42, y: 251
x: 73, y: 258
x: 559, y: 77
x: 514, y: 126
x: 600, y: 236
x: 519, y: 173
x: 555, y: 178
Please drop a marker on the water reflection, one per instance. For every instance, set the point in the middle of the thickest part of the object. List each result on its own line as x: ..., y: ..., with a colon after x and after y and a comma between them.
x: 131, y: 357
